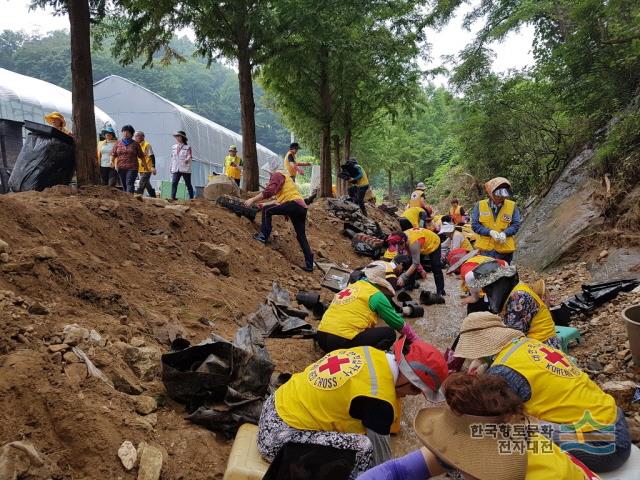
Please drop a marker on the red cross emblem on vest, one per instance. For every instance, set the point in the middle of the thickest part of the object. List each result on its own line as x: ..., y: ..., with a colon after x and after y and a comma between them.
x: 344, y: 293
x: 334, y: 364
x: 554, y: 357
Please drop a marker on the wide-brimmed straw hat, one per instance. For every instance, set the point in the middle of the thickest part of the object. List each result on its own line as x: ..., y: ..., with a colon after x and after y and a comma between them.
x: 484, y: 334
x: 493, y: 184
x: 180, y: 133
x: 449, y: 436
x: 55, y: 116
x: 489, y: 273
x: 377, y: 275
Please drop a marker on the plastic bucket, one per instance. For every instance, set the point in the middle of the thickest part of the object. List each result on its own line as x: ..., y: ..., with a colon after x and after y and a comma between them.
x: 308, y: 299
x: 631, y: 317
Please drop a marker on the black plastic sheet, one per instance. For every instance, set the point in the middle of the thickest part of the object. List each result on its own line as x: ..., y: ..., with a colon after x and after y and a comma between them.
x: 593, y: 295
x: 297, y: 461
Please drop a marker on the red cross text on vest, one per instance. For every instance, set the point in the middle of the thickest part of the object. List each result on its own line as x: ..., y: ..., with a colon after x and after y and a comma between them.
x: 344, y: 293
x: 554, y: 357
x: 334, y: 364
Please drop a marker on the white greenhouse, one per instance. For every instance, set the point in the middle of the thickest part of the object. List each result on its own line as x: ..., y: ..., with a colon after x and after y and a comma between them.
x: 130, y: 103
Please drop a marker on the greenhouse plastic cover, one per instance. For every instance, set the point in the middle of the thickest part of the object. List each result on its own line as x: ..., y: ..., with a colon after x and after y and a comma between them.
x: 27, y: 98
x: 130, y: 103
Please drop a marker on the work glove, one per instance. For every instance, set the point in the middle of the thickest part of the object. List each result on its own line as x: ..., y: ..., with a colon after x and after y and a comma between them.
x: 408, y: 332
x: 502, y: 237
x: 494, y: 234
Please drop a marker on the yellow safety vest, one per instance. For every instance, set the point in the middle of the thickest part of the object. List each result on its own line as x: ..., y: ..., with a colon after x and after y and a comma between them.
x: 363, y: 180
x: 560, y: 392
x: 288, y: 166
x: 289, y: 192
x: 416, y: 199
x: 319, y: 398
x: 147, y: 166
x: 231, y: 171
x: 499, y: 224
x: 413, y: 215
x: 542, y: 326
x: 431, y: 239
x: 545, y: 460
x: 349, y: 312
x: 455, y: 215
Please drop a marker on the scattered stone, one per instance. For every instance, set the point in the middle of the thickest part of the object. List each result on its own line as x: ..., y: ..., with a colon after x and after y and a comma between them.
x: 4, y: 247
x: 135, y: 247
x: 621, y: 391
x: 594, y: 365
x: 156, y: 202
x: 17, y: 458
x: 623, y: 353
x: 71, y: 357
x: 75, y: 334
x: 145, y: 404
x: 150, y: 463
x: 4, y: 257
x: 124, y: 381
x: 137, y: 342
x: 58, y: 347
x: 38, y: 309
x: 127, y: 263
x: 214, y: 256
x: 179, y: 210
x: 151, y: 419
x: 13, y: 267
x: 610, y: 368
x: 128, y: 455
x: 144, y: 361
x: 45, y: 253
x: 76, y: 372
x: 96, y: 339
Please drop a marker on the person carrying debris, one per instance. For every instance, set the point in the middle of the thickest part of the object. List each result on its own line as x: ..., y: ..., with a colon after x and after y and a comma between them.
x: 289, y: 203
x: 125, y: 156
x: 496, y: 220
x: 576, y: 414
x: 349, y: 400
x: 57, y: 121
x: 359, y: 184
x: 147, y: 167
x: 456, y: 212
x: 519, y: 306
x: 480, y: 433
x: 351, y: 319
x: 290, y: 165
x: 424, y: 243
x: 417, y: 197
x: 232, y: 164
x: 415, y: 217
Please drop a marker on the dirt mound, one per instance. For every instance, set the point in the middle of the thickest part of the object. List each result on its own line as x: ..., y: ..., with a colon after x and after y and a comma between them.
x: 127, y: 269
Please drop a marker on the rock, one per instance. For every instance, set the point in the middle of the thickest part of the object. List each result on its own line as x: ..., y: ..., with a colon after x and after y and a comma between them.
x: 76, y: 372
x: 594, y: 365
x: 151, y: 419
x: 145, y: 404
x: 156, y: 202
x: 124, y: 381
x: 58, y: 347
x: 128, y: 455
x: 610, y: 368
x: 144, y: 361
x: 17, y: 458
x: 38, y: 309
x: 4, y: 247
x: 622, y: 391
x: 137, y: 342
x: 623, y: 353
x: 220, y: 185
x: 179, y: 210
x: 96, y: 339
x: 4, y: 257
x: 150, y: 463
x: 603, y: 254
x: 75, y: 334
x: 135, y: 247
x: 71, y: 357
x: 44, y: 253
x: 214, y: 256
x: 23, y: 267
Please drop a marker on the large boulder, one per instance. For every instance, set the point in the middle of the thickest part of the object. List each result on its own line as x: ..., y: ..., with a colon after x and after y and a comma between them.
x: 220, y: 185
x: 214, y: 256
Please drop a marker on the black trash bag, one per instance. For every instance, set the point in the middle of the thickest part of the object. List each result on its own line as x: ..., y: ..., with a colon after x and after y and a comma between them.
x: 46, y: 159
x: 594, y: 295
x: 227, y: 420
x: 363, y: 248
x: 298, y: 461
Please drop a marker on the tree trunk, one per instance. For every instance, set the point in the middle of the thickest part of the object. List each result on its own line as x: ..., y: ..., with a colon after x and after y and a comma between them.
x: 347, y: 140
x: 251, y: 170
x: 83, y: 110
x: 336, y: 161
x: 325, y: 143
x: 389, y: 187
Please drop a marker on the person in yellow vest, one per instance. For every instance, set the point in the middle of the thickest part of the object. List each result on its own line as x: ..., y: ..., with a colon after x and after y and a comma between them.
x: 417, y: 197
x: 496, y: 220
x: 481, y: 434
x: 413, y: 217
x: 351, y: 319
x: 289, y: 202
x: 233, y: 165
x: 359, y: 184
x: 422, y: 244
x: 456, y: 212
x: 455, y: 238
x: 577, y: 415
x: 515, y: 301
x: 146, y: 165
x: 349, y: 399
x: 290, y: 165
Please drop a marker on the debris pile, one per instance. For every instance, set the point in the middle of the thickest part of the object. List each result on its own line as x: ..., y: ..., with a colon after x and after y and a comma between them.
x: 355, y: 221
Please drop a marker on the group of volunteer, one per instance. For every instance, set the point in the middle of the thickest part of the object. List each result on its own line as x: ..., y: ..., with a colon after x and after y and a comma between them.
x: 507, y: 402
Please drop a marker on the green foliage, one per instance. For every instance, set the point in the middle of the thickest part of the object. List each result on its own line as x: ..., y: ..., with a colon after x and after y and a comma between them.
x: 210, y: 92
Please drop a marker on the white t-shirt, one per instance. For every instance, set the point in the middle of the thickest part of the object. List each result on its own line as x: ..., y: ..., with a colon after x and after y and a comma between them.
x: 105, y: 153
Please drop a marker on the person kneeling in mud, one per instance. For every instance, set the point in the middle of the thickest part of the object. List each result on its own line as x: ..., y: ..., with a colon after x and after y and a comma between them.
x: 349, y: 400
x: 351, y: 319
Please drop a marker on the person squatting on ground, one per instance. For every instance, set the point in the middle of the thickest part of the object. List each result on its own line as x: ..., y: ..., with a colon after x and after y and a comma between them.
x: 496, y: 220
x: 515, y: 301
x: 349, y: 399
x: 108, y: 174
x: 289, y: 203
x: 125, y: 156
x: 181, y: 160
x: 146, y: 167
x: 351, y: 319
x: 423, y: 243
x: 481, y: 433
x: 580, y: 417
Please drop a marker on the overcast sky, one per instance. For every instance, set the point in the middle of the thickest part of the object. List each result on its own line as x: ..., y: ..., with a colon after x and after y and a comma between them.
x: 514, y: 52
